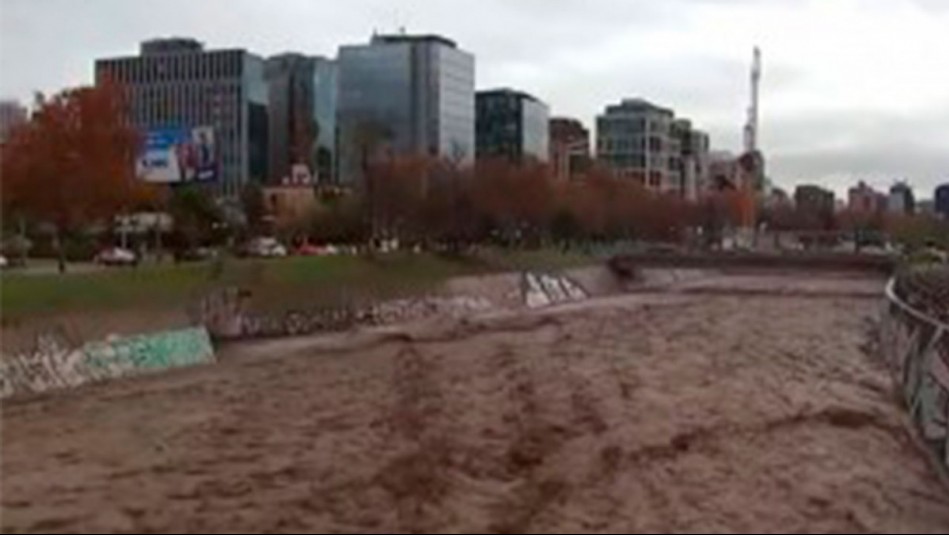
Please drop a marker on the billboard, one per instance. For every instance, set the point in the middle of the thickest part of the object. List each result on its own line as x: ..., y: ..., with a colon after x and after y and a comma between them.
x: 177, y: 154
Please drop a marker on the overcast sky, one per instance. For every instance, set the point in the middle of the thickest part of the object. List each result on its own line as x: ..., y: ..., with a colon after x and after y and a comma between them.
x: 851, y: 88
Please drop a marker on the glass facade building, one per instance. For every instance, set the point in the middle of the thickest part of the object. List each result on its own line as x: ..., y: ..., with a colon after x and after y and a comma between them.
x: 569, y: 147
x: 404, y: 94
x: 636, y: 140
x: 511, y: 124
x: 302, y: 96
x: 177, y: 83
x: 941, y: 200
x: 693, y: 161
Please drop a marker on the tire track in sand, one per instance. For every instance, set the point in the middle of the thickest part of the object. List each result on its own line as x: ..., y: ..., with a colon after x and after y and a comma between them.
x: 417, y: 479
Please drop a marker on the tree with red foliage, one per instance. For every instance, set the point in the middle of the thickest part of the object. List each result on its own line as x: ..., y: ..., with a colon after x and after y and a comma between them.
x: 73, y: 163
x: 517, y: 199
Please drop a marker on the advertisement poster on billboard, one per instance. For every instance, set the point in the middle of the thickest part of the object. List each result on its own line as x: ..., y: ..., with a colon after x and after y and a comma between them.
x: 177, y: 154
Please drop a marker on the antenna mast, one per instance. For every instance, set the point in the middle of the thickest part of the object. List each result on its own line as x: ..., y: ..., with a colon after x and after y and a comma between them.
x: 751, y: 127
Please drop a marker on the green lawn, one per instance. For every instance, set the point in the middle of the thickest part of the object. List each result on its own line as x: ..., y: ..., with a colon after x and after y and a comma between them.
x: 282, y: 283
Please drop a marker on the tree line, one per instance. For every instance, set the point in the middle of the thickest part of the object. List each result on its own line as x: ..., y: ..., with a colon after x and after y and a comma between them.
x: 71, y: 168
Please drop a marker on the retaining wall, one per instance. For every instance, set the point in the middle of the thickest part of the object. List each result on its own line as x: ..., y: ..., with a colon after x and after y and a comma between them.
x: 54, y: 365
x: 544, y: 289
x: 228, y: 314
x: 916, y: 347
x: 754, y: 260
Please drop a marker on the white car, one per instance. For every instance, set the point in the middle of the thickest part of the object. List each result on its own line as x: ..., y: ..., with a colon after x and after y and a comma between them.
x: 116, y: 256
x: 3, y: 262
x: 265, y: 248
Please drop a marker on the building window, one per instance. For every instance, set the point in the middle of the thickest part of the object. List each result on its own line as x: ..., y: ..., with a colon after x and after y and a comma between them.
x: 655, y: 180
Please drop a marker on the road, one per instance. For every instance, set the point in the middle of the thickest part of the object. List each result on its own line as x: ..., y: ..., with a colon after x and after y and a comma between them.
x: 650, y: 412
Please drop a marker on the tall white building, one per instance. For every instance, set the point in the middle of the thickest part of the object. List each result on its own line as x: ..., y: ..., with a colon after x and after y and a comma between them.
x: 12, y: 113
x: 901, y: 199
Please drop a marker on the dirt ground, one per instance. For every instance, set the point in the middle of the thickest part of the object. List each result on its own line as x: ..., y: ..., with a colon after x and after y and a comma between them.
x: 651, y: 412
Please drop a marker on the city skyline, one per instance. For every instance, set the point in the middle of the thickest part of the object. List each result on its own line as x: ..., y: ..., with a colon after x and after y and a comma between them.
x: 839, y: 106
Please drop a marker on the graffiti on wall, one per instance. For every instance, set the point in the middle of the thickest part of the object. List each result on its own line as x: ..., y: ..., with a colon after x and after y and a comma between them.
x: 542, y: 289
x: 54, y: 365
x: 48, y: 368
x: 917, y: 349
x: 149, y: 352
x: 227, y: 315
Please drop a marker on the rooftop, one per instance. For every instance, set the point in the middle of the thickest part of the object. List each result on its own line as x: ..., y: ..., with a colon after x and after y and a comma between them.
x: 407, y: 38
x: 508, y: 92
x: 170, y: 45
x: 637, y: 104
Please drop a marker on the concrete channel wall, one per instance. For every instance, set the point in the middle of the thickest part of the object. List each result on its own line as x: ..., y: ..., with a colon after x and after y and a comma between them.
x: 916, y: 347
x: 54, y: 365
x: 228, y: 313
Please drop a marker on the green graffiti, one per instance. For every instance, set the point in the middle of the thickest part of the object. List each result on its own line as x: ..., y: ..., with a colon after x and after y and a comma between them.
x: 149, y: 352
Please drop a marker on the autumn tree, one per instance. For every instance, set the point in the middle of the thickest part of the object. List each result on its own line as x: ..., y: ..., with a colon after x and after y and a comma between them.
x: 339, y: 219
x: 195, y: 214
x: 517, y: 199
x: 73, y: 163
x: 399, y: 185
x: 915, y: 231
x: 449, y: 214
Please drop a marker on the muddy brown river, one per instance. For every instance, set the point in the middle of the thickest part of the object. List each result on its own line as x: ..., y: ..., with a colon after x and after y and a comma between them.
x: 651, y: 412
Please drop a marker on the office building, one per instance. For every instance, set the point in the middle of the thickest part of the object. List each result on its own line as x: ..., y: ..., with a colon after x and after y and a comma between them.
x: 777, y: 198
x: 512, y: 125
x: 12, y: 113
x: 187, y: 100
x: 302, y: 93
x: 723, y: 171
x: 863, y: 199
x: 694, y: 162
x: 635, y: 140
x: 405, y: 95
x: 941, y: 200
x: 812, y: 199
x: 569, y: 147
x: 901, y: 200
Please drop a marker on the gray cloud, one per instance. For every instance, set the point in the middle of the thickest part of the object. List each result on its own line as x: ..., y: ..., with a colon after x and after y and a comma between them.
x: 579, y: 55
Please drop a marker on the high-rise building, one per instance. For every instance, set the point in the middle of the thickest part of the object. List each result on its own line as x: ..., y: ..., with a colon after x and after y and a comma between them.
x: 511, y: 124
x: 302, y: 94
x: 179, y: 92
x: 723, y: 170
x: 635, y: 140
x: 694, y: 161
x: 941, y: 200
x: 812, y: 199
x: 405, y: 94
x: 12, y: 113
x: 901, y: 200
x: 862, y: 198
x: 569, y: 147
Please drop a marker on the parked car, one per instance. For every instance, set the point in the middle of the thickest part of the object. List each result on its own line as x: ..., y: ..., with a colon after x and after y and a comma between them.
x: 116, y: 256
x: 3, y: 262
x: 308, y: 249
x: 264, y: 247
x: 196, y: 254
